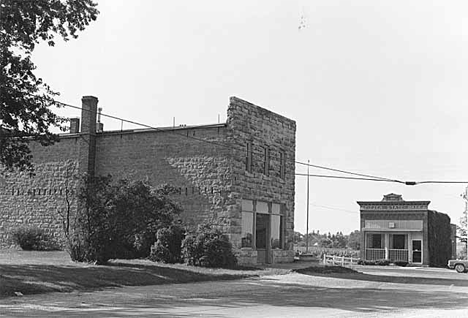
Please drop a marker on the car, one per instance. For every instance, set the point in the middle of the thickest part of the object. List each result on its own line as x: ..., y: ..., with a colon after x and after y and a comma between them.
x: 460, y: 265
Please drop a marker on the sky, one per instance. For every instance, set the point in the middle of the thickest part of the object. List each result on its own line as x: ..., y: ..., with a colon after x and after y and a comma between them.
x: 375, y: 87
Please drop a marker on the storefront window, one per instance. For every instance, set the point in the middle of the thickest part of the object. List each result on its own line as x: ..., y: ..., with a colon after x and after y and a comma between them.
x: 247, y: 223
x: 276, y: 231
x: 247, y: 229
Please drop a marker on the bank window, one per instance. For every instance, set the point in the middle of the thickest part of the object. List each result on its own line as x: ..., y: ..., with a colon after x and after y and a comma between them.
x: 375, y: 241
x: 398, y: 241
x: 248, y: 159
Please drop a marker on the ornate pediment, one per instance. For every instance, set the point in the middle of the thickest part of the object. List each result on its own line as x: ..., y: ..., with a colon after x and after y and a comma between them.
x: 392, y: 197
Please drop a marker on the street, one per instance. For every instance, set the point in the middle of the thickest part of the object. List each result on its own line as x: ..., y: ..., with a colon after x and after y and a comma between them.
x: 377, y: 292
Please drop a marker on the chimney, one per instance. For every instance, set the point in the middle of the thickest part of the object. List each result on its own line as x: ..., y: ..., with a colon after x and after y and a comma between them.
x: 74, y: 125
x: 87, y: 142
x: 100, y: 126
x: 88, y: 114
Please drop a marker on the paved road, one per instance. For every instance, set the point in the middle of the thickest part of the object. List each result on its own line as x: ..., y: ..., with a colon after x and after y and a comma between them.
x: 383, y: 292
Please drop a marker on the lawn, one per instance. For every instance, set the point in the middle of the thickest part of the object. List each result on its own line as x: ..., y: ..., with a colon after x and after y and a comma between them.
x: 30, y: 272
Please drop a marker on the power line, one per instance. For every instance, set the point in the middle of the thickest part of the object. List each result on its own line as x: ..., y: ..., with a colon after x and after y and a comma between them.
x: 332, y: 208
x: 147, y: 126
x: 341, y: 177
x: 360, y: 176
x: 349, y: 172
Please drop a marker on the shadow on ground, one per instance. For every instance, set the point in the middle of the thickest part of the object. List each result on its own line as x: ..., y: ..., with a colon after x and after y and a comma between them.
x: 41, y: 278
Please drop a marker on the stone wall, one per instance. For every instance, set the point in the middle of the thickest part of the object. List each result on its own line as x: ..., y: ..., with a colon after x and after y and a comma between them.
x: 206, y: 163
x: 248, y: 123
x: 193, y: 159
x: 43, y: 199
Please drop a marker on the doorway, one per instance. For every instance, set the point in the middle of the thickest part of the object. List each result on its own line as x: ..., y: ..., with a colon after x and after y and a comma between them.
x: 262, y: 227
x: 417, y: 251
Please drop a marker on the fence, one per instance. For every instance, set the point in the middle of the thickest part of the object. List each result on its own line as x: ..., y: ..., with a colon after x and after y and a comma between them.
x: 339, y: 260
x: 375, y: 253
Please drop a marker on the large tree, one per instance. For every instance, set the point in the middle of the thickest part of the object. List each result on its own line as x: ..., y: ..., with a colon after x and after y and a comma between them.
x: 25, y: 100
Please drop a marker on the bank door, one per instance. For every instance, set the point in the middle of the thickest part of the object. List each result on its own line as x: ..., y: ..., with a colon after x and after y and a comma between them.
x: 417, y: 251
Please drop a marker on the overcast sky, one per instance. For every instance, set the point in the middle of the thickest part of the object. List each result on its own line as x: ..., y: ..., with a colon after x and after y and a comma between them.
x: 376, y: 87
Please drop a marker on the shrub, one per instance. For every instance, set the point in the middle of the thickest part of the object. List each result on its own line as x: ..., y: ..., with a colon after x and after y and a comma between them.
x: 168, y: 246
x: 208, y: 247
x: 366, y: 262
x: 382, y: 262
x: 118, y: 219
x: 401, y: 263
x: 30, y: 238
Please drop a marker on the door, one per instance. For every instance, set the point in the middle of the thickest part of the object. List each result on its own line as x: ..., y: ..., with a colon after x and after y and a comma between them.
x: 261, y: 237
x: 417, y: 251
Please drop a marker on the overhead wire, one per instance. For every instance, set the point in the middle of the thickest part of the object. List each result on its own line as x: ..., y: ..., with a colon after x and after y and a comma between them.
x: 349, y: 172
x: 359, y: 176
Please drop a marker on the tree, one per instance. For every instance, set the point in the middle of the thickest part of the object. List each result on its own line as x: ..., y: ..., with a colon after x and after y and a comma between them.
x: 25, y: 100
x: 118, y: 219
x: 298, y: 237
x: 354, y: 240
x: 463, y: 227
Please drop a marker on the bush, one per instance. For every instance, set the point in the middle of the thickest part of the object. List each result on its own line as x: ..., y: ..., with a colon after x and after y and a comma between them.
x: 118, y: 219
x: 401, y: 263
x: 31, y: 238
x: 168, y: 246
x: 208, y: 247
x: 382, y: 262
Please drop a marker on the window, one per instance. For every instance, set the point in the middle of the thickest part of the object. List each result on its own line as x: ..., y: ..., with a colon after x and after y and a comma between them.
x: 247, y: 223
x: 282, y: 163
x: 266, y: 161
x: 247, y: 229
x: 398, y: 241
x: 276, y: 229
x: 375, y: 241
x: 248, y: 159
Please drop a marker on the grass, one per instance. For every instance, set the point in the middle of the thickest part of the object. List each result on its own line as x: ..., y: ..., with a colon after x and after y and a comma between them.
x: 30, y: 272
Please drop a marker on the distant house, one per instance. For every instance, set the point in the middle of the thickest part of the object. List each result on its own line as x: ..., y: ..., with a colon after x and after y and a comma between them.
x: 406, y: 231
x: 238, y: 175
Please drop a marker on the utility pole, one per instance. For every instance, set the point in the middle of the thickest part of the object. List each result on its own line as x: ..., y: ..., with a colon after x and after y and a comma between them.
x: 465, y: 216
x: 307, y: 224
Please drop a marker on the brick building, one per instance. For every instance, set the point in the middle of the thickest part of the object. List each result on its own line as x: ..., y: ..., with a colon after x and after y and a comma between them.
x: 407, y: 231
x: 238, y: 174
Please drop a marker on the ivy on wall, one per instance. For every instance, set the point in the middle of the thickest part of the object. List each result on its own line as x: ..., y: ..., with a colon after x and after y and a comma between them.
x: 439, y: 238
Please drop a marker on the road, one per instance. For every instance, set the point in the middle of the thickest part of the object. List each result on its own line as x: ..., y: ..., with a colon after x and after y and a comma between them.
x: 378, y: 292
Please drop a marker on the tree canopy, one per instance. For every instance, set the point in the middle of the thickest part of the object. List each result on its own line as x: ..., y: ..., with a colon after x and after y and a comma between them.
x: 25, y: 100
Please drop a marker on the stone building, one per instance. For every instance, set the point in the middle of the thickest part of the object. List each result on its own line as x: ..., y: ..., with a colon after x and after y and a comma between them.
x: 238, y: 174
x: 407, y: 231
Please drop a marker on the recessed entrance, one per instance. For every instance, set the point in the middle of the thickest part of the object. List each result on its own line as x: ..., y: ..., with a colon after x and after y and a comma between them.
x: 261, y: 237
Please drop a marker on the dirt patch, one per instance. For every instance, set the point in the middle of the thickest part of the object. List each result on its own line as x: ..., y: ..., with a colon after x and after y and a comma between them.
x: 325, y: 270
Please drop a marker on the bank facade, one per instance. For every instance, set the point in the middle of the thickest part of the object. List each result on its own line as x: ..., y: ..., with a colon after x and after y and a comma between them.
x: 405, y: 231
x: 238, y: 175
